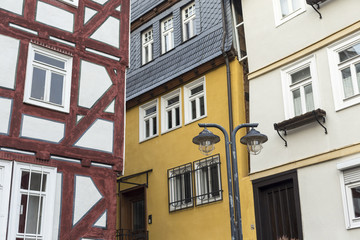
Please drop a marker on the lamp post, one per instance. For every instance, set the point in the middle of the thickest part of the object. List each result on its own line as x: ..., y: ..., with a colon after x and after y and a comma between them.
x: 253, y: 140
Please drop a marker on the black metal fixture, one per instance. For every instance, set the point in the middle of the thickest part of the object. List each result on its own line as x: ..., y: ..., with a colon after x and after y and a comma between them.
x: 254, y: 139
x: 317, y: 3
x: 317, y: 115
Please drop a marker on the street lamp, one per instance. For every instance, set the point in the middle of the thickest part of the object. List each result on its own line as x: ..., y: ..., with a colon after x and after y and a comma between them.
x: 253, y: 140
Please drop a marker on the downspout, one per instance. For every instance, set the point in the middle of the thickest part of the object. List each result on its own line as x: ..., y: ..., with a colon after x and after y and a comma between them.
x: 235, y: 175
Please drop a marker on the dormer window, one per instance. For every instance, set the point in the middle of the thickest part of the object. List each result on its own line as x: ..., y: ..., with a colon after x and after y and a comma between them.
x: 147, y: 46
x: 167, y: 33
x: 188, y: 22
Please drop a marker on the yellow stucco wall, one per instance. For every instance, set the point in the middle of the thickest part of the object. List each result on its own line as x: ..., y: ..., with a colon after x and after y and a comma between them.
x: 175, y: 148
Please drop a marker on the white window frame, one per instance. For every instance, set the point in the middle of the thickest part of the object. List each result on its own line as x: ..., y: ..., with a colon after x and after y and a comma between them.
x: 203, y: 182
x: 188, y: 98
x: 279, y: 19
x: 5, y: 181
x: 167, y: 34
x: 174, y: 199
x: 288, y: 87
x: 350, y: 220
x: 147, y: 42
x: 74, y: 3
x: 66, y: 72
x: 165, y: 108
x: 143, y: 118
x: 335, y: 71
x: 188, y: 20
x: 48, y: 205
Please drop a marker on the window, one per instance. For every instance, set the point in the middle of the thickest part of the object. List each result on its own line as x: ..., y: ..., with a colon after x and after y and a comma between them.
x: 195, y: 100
x: 147, y: 46
x: 171, y: 111
x: 300, y: 87
x: 344, y: 60
x: 287, y: 9
x: 350, y: 187
x: 167, y: 33
x: 32, y: 202
x: 277, y: 208
x: 188, y: 21
x: 208, y: 180
x: 148, y: 120
x: 180, y: 187
x: 48, y: 79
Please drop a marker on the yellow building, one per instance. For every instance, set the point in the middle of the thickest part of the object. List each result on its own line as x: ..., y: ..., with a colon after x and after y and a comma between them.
x: 169, y: 190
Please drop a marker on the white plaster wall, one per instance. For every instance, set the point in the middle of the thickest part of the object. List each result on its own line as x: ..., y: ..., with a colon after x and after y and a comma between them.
x: 8, y: 61
x: 54, y: 16
x: 321, y: 203
x: 99, y: 136
x: 15, y: 6
x: 267, y: 108
x: 42, y: 129
x: 108, y: 32
x: 267, y: 43
x: 94, y: 82
x: 85, y: 197
x: 5, y: 114
x: 89, y: 13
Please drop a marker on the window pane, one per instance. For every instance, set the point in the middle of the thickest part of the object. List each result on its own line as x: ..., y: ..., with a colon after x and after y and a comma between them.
x: 173, y: 100
x: 150, y: 110
x: 177, y: 116
x: 356, y: 200
x: 197, y: 90
x: 204, y: 182
x: 187, y: 31
x: 202, y: 106
x: 309, y: 98
x: 214, y: 180
x: 357, y: 70
x: 297, y: 102
x: 349, y: 53
x: 51, y: 61
x: 187, y: 184
x: 35, y: 181
x: 22, y: 217
x: 146, y: 50
x: 193, y: 109
x: 56, y: 88
x: 295, y: 5
x: 34, y: 215
x: 147, y: 128
x: 25, y: 180
x: 154, y: 126
x: 300, y: 75
x: 284, y: 8
x: 38, y: 83
x: 169, y: 115
x: 347, y: 82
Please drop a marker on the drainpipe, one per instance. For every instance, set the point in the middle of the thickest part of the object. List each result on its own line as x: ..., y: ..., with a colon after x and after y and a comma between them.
x: 235, y: 175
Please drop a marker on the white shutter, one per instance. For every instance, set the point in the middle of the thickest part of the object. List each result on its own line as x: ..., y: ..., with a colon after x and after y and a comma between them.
x: 352, y: 175
x: 5, y: 179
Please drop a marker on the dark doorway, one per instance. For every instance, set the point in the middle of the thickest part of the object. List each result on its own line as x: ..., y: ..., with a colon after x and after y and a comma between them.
x: 277, y: 207
x: 132, y: 215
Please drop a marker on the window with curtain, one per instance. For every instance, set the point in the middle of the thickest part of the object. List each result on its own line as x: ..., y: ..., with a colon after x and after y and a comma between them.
x: 299, y: 82
x: 344, y: 63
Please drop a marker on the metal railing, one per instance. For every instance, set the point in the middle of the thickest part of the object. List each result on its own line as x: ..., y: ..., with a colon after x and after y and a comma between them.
x: 127, y: 234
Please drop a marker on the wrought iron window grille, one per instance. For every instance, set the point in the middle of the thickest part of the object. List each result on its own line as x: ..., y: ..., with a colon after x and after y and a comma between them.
x: 180, y: 187
x: 207, y: 173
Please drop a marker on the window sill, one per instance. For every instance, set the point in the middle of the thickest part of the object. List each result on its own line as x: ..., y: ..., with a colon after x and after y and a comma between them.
x: 301, y: 120
x: 196, y: 119
x: 149, y: 138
